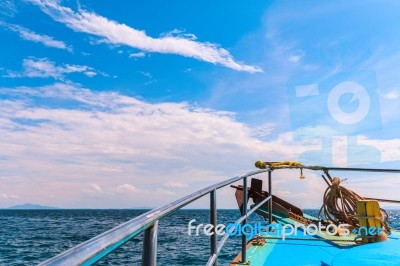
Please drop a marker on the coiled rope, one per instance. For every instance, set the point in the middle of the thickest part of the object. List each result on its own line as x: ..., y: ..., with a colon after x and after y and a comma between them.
x: 340, y: 204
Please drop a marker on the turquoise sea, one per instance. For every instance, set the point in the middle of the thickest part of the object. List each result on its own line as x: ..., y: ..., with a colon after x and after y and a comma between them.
x: 28, y: 237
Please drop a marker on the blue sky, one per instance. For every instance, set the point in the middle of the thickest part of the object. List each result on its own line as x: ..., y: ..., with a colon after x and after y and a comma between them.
x: 106, y: 104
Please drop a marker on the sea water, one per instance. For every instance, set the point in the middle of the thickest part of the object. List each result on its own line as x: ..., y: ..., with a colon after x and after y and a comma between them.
x: 28, y: 237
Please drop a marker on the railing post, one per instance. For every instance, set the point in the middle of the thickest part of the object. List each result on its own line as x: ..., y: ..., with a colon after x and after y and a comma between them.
x: 149, y: 255
x: 213, y: 221
x: 244, y: 212
x: 270, y: 193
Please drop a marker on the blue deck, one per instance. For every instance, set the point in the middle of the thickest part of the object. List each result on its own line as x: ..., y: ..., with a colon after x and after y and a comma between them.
x: 382, y: 253
x: 320, y: 253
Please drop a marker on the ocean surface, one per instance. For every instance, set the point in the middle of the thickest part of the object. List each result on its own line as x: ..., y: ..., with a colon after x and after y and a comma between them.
x: 28, y: 237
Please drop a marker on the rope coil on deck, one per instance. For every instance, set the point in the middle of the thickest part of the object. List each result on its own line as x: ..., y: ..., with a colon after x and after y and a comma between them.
x: 340, y: 204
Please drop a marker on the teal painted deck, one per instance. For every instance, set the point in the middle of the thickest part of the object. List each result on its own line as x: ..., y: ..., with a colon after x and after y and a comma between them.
x: 382, y: 253
x: 324, y: 253
x: 321, y: 253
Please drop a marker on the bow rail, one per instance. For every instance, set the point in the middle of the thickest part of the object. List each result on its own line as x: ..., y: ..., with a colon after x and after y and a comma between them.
x: 93, y: 250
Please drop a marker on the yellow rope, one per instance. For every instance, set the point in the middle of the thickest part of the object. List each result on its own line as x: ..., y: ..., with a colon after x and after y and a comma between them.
x: 263, y: 165
x: 340, y: 204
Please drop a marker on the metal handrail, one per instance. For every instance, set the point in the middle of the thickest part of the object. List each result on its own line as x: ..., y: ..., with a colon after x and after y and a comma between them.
x: 226, y: 236
x: 93, y: 250
x: 100, y: 246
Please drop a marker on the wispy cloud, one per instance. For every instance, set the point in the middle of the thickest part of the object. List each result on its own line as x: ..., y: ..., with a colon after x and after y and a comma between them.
x: 121, y: 34
x: 149, y: 77
x: 96, y: 188
x: 6, y: 196
x: 126, y: 188
x: 296, y: 57
x: 136, y: 55
x: 29, y: 35
x: 263, y: 131
x: 179, y: 33
x: 391, y: 95
x: 8, y: 8
x: 44, y: 68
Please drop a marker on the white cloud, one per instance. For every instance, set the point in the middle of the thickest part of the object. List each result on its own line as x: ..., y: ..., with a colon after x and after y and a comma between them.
x: 96, y: 188
x: 65, y: 156
x: 44, y: 68
x: 8, y: 8
x: 121, y: 34
x: 108, y: 150
x: 389, y: 149
x: 391, y: 95
x: 29, y: 35
x: 179, y: 33
x: 90, y: 73
x: 149, y: 76
x: 126, y: 188
x: 136, y: 55
x: 93, y: 189
x: 6, y: 196
x: 73, y: 68
x: 296, y: 57
x: 263, y: 131
x: 146, y: 74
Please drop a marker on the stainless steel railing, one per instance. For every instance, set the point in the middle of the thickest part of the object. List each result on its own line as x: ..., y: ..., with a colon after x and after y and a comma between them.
x: 93, y: 250
x: 242, y: 219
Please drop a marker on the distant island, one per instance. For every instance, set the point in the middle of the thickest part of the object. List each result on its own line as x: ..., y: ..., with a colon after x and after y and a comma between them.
x: 29, y: 206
